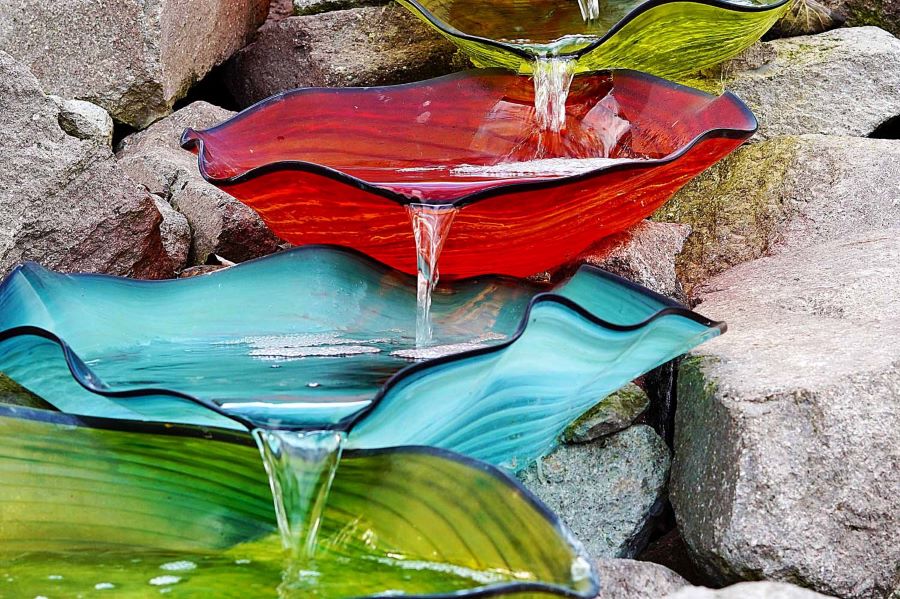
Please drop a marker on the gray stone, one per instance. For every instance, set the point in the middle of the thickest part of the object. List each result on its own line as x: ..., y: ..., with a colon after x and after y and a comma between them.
x: 629, y: 579
x: 782, y: 194
x: 644, y: 254
x: 85, y: 120
x: 748, y: 590
x: 880, y: 13
x: 64, y: 201
x: 376, y: 45
x: 220, y: 224
x: 787, y: 463
x: 312, y: 7
x: 605, y: 491
x: 843, y: 82
x: 175, y: 233
x: 613, y: 414
x: 134, y: 58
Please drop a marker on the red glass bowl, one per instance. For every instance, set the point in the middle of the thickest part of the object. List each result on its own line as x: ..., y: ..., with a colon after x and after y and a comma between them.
x: 340, y: 165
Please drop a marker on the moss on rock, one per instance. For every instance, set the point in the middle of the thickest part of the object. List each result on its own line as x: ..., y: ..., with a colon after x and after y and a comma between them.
x: 733, y: 209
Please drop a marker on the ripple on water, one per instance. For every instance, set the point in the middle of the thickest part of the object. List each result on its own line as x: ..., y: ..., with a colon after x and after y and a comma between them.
x: 179, y: 566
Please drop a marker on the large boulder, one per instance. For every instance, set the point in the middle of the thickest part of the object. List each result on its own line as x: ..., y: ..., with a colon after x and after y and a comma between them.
x: 606, y: 491
x: 134, y: 58
x: 374, y: 45
x: 221, y: 225
x: 630, y: 579
x: 748, y: 590
x: 843, y: 82
x: 787, y: 465
x: 64, y: 201
x: 781, y: 194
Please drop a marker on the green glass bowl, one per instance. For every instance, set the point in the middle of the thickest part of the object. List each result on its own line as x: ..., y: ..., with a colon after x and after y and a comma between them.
x: 139, y: 509
x: 666, y: 38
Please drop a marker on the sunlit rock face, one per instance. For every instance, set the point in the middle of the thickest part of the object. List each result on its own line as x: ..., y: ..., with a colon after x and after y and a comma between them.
x: 786, y: 460
x: 368, y: 45
x: 64, y: 201
x: 219, y: 225
x: 133, y: 58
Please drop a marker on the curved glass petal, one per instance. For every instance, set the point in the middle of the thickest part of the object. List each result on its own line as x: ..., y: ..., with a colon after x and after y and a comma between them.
x: 110, y: 505
x: 341, y: 165
x: 666, y: 38
x: 508, y: 405
x: 321, y: 337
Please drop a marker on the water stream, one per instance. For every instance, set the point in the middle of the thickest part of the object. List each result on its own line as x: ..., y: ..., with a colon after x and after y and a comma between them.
x: 301, y: 466
x: 590, y: 9
x: 552, y: 79
x: 430, y: 224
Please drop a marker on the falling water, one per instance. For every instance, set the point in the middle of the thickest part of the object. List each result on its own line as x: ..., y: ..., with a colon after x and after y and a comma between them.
x: 301, y: 467
x: 590, y: 9
x: 552, y: 79
x: 430, y: 224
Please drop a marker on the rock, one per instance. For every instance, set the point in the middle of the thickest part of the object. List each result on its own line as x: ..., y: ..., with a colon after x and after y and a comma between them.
x: 644, y: 254
x: 880, y: 13
x: 748, y: 590
x: 175, y: 233
x: 14, y: 394
x: 376, y: 45
x: 85, y: 120
x: 134, y: 58
x: 612, y: 415
x: 220, y: 223
x: 629, y: 579
x: 312, y: 7
x: 64, y: 201
x: 843, y: 82
x: 787, y: 463
x: 197, y: 271
x: 606, y: 491
x: 806, y: 17
x: 784, y: 193
x: 670, y: 551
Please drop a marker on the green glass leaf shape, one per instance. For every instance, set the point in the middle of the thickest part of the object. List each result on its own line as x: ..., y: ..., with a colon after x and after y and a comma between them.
x: 318, y: 338
x: 135, y: 507
x: 666, y: 38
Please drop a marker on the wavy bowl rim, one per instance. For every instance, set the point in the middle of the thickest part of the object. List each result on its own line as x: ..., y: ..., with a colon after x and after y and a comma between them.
x: 75, y: 364
x: 190, y: 140
x: 630, y: 16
